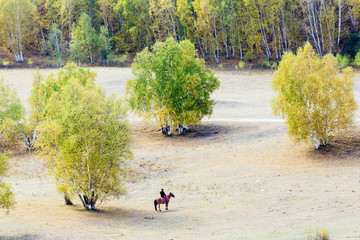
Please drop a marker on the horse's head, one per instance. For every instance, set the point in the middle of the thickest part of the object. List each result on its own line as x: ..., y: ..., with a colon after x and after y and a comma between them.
x: 171, y: 194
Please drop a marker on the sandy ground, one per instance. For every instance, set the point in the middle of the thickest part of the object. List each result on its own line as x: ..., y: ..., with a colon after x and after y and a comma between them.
x: 237, y: 176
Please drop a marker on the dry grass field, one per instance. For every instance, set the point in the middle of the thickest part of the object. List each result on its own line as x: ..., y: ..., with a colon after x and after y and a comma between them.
x: 237, y: 176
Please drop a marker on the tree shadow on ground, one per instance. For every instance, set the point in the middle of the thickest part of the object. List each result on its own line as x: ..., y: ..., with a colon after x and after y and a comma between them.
x: 204, y: 131
x: 134, y: 217
x: 22, y: 237
x: 344, y: 146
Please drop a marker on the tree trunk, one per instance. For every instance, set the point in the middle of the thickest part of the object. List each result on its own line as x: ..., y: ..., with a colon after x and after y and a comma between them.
x: 201, y: 50
x: 67, y: 200
x: 224, y: 30
x: 181, y: 129
x: 339, y: 28
x: 168, y: 130
x: 89, y: 204
x: 316, y: 143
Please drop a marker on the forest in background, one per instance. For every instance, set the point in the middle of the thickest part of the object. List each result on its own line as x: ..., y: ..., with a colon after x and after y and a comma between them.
x: 101, y: 31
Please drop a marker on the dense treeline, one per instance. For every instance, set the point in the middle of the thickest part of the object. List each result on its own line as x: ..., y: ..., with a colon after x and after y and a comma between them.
x: 97, y: 30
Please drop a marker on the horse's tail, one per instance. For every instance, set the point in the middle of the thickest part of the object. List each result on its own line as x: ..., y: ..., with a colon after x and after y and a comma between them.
x: 155, y: 203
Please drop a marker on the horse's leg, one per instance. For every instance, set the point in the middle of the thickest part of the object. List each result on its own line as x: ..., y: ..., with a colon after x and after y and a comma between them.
x: 155, y: 203
x: 166, y: 204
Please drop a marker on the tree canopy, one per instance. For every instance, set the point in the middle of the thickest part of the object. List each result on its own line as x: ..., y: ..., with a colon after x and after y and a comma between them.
x: 84, y: 137
x: 172, y: 85
x: 7, y: 198
x: 11, y: 113
x: 312, y: 96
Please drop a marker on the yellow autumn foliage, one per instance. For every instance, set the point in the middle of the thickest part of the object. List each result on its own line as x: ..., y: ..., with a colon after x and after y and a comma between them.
x: 313, y: 96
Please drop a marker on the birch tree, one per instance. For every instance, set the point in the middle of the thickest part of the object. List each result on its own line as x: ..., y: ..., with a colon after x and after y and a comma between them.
x: 11, y: 114
x: 312, y: 97
x: 85, y: 137
x: 107, y: 13
x: 56, y: 44
x: 85, y: 36
x: 135, y: 26
x: 67, y: 8
x: 163, y: 16
x: 16, y: 25
x: 172, y: 85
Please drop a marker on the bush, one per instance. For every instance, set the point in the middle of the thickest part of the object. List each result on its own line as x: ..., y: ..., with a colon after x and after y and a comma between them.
x: 6, y: 62
x: 322, y: 234
x: 357, y: 59
x: 271, y: 64
x: 343, y: 61
x: 241, y: 64
x: 30, y: 62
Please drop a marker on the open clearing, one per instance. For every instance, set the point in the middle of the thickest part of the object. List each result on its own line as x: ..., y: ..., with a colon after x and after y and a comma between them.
x: 237, y: 176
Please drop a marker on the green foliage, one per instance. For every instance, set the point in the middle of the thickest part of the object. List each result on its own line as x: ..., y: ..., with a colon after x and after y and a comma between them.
x: 85, y: 41
x: 30, y: 62
x: 241, y: 64
x: 56, y: 45
x: 84, y: 136
x: 271, y: 64
x: 249, y: 56
x: 245, y: 29
x: 117, y: 59
x: 11, y: 113
x: 172, y: 84
x: 312, y: 97
x: 352, y: 46
x: 357, y: 59
x: 7, y: 198
x: 104, y: 44
x: 343, y: 61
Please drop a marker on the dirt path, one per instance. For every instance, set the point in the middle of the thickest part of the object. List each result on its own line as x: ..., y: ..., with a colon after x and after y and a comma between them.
x: 232, y: 179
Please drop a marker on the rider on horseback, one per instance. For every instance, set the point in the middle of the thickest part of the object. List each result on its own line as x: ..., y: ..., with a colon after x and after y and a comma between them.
x: 163, y: 195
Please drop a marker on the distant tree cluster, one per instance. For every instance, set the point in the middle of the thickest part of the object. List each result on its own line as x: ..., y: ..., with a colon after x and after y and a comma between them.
x: 97, y: 30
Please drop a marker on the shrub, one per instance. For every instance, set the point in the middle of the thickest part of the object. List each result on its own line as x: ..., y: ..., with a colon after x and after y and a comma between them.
x: 343, y: 61
x: 271, y: 64
x: 30, y: 62
x: 241, y: 64
x: 322, y: 234
x: 357, y: 59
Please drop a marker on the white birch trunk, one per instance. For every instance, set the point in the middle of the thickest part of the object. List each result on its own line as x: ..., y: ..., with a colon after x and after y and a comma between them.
x: 181, y: 129
x: 284, y: 31
x: 276, y: 50
x: 225, y: 39
x: 216, y: 53
x: 201, y: 50
x: 316, y: 143
x: 339, y: 25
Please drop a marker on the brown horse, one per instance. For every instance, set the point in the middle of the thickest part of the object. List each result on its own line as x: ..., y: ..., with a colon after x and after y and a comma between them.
x: 162, y: 201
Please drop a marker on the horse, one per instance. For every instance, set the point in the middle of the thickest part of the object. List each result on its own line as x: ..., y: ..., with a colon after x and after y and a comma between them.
x: 159, y: 201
